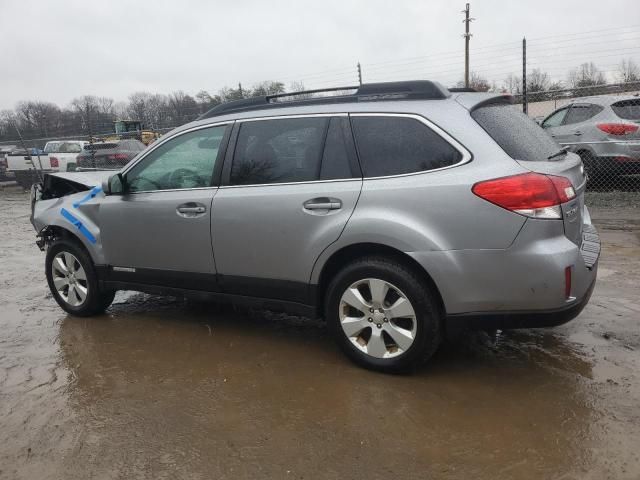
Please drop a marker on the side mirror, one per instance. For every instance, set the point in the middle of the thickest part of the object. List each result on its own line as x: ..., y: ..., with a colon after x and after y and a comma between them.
x: 114, y: 185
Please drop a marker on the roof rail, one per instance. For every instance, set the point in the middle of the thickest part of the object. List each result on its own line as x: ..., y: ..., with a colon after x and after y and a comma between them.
x: 410, y: 90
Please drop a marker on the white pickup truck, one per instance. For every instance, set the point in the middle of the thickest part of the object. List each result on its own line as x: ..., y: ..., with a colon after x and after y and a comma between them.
x: 28, y: 165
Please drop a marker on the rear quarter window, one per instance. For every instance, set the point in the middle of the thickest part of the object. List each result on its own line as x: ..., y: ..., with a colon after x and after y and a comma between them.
x: 390, y: 145
x: 627, y: 109
x: 518, y: 135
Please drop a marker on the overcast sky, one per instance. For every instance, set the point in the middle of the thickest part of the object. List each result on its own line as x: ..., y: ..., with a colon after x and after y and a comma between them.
x: 56, y: 50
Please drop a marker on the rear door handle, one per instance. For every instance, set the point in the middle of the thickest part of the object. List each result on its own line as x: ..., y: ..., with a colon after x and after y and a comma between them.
x: 191, y: 209
x: 578, y: 133
x: 323, y: 204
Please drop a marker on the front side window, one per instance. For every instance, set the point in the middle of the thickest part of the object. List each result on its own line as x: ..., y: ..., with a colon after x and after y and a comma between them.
x: 186, y: 161
x: 279, y: 151
x: 555, y: 119
x: 398, y: 145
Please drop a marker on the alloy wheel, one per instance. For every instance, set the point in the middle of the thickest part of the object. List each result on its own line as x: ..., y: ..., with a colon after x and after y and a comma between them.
x: 378, y: 318
x: 69, y: 279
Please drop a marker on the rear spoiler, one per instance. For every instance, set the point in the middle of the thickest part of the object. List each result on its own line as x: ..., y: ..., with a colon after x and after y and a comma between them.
x: 472, y: 101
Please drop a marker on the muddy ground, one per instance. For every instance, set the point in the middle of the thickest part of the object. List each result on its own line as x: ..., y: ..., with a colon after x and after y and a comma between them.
x: 162, y: 388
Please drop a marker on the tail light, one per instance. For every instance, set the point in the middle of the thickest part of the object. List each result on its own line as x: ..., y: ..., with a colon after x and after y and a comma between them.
x: 3, y: 162
x: 79, y: 159
x: 530, y: 194
x: 617, y: 129
x: 118, y: 156
x: 53, y: 161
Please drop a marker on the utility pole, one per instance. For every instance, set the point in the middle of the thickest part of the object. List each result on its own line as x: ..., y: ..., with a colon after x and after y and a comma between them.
x: 359, y: 74
x: 525, y: 107
x: 467, y: 37
x: 240, y: 89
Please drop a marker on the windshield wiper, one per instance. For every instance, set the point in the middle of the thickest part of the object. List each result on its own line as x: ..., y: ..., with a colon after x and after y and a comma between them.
x: 559, y: 153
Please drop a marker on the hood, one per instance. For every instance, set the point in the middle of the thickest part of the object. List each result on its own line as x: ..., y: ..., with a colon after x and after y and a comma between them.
x: 86, y: 179
x: 56, y: 185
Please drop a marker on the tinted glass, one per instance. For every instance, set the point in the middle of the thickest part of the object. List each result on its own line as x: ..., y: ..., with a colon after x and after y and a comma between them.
x: 580, y: 113
x: 555, y: 119
x: 518, y: 135
x: 186, y: 161
x: 277, y: 151
x: 335, y: 160
x: 397, y: 145
x: 627, y: 109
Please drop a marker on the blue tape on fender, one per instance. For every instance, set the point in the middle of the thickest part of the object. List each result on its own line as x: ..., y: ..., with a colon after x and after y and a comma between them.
x: 92, y: 194
x: 78, y: 224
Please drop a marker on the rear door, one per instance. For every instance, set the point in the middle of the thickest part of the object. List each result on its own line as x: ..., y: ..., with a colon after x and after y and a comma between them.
x: 535, y: 151
x: 289, y: 187
x: 577, y: 124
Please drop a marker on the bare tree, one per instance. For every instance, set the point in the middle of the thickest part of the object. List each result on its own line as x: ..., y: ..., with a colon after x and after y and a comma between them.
x: 266, y: 88
x: 628, y: 71
x: 537, y: 81
x: 586, y: 75
x: 477, y: 82
x: 512, y: 84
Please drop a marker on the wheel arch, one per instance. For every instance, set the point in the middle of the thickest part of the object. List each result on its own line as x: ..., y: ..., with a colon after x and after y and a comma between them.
x: 353, y: 252
x: 51, y: 233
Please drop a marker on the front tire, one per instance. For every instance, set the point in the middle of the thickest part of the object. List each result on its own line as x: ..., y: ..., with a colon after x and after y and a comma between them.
x: 73, y: 281
x: 383, y: 315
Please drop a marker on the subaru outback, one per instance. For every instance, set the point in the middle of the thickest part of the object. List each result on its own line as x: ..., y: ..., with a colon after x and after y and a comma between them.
x: 396, y: 212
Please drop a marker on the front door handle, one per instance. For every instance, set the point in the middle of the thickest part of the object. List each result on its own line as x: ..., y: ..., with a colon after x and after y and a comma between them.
x: 577, y: 133
x: 323, y: 203
x: 191, y: 209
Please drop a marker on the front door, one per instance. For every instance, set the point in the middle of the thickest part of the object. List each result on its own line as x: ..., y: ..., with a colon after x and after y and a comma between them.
x: 288, y: 190
x: 159, y: 231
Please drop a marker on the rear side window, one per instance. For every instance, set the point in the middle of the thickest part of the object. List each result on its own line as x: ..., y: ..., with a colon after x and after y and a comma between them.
x: 278, y: 151
x: 519, y: 136
x: 398, y: 145
x: 581, y: 113
x: 627, y: 109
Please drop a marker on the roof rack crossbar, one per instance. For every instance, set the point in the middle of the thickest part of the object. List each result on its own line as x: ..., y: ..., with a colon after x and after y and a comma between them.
x: 418, y: 89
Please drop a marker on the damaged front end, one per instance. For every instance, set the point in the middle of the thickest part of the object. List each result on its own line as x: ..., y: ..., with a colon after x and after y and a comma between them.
x: 63, y: 204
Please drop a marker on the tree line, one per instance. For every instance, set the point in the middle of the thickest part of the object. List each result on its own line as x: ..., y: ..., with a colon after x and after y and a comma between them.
x: 93, y: 115
x: 538, y: 81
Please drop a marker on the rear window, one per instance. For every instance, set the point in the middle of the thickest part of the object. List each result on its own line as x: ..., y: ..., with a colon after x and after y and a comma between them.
x: 400, y: 145
x: 627, y: 109
x: 518, y: 135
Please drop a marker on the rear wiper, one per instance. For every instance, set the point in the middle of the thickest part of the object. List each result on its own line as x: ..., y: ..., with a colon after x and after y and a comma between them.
x: 559, y: 153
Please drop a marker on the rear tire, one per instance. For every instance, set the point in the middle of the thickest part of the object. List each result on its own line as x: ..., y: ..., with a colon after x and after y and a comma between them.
x: 361, y: 305
x: 73, y: 281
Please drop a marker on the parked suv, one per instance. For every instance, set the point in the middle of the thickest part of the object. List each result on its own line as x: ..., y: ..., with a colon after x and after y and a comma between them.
x: 604, y: 131
x: 396, y: 212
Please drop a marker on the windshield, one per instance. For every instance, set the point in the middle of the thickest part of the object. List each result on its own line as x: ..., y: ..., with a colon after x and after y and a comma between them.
x: 52, y: 147
x: 518, y: 135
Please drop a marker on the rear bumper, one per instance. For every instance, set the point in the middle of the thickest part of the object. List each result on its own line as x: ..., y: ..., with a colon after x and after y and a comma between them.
x: 523, y: 285
x: 521, y: 319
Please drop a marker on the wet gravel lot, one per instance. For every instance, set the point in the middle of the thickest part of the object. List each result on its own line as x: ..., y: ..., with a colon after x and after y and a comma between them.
x: 163, y: 388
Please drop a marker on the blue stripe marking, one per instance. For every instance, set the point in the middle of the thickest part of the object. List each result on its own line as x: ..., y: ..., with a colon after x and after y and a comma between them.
x: 92, y: 194
x: 78, y: 224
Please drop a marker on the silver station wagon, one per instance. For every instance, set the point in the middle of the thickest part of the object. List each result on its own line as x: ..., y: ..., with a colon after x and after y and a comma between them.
x: 396, y: 211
